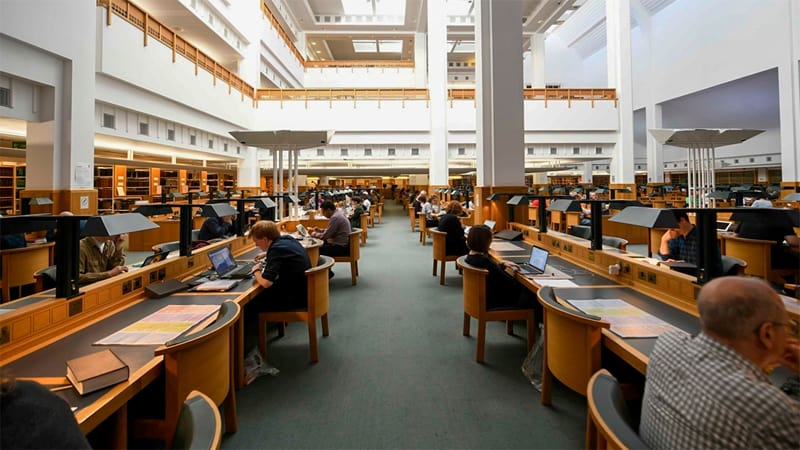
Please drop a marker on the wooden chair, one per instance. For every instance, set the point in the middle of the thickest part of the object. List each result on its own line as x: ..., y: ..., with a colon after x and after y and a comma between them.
x: 316, y: 308
x: 609, y: 424
x: 412, y: 216
x: 571, y: 345
x: 201, y: 361
x: 371, y: 216
x: 440, y: 252
x: 199, y: 424
x: 18, y: 265
x: 474, y: 293
x: 424, y: 231
x: 379, y: 213
x: 363, y: 225
x: 758, y: 255
x: 733, y: 266
x: 353, y: 257
x: 167, y: 247
x: 616, y: 242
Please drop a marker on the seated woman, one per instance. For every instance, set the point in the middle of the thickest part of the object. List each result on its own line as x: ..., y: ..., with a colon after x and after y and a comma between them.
x: 451, y: 224
x: 358, y: 211
x: 502, y: 290
x: 432, y: 212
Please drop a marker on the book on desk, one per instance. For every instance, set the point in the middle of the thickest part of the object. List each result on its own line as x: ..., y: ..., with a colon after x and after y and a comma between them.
x: 95, y: 371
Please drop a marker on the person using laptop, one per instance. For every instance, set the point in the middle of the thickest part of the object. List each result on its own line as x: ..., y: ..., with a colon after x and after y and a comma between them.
x: 280, y: 270
x: 502, y: 289
x: 336, y: 237
x: 101, y: 257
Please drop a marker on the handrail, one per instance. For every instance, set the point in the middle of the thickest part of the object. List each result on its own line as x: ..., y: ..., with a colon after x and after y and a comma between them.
x: 139, y: 18
x: 277, y: 25
x: 360, y: 63
x: 380, y: 94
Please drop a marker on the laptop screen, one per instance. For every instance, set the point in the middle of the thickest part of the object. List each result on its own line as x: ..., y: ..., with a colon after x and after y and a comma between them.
x: 156, y: 257
x: 490, y: 224
x: 723, y: 225
x: 538, y: 258
x: 222, y: 260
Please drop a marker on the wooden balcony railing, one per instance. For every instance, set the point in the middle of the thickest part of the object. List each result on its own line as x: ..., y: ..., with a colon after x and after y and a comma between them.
x: 160, y: 32
x: 354, y: 95
x: 360, y: 63
x: 277, y: 25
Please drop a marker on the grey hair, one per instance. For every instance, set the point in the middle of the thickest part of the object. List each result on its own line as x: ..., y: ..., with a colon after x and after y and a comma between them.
x: 734, y: 307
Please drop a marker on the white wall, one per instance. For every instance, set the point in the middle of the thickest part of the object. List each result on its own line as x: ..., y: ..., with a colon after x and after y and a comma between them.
x: 150, y: 69
x: 376, y: 77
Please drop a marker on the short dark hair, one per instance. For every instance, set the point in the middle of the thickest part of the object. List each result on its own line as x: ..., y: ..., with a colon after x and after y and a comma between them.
x: 327, y: 204
x: 681, y: 215
x: 479, y: 238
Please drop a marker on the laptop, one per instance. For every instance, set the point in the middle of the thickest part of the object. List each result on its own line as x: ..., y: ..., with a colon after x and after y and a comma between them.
x: 154, y: 258
x: 488, y: 223
x: 302, y: 233
x: 724, y: 225
x: 226, y: 267
x: 537, y: 262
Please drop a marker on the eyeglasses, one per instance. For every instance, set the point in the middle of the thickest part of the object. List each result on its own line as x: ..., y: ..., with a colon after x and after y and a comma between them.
x: 791, y: 326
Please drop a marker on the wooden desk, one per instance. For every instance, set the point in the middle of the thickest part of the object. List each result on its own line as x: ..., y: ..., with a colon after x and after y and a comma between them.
x: 19, y: 264
x: 634, y: 351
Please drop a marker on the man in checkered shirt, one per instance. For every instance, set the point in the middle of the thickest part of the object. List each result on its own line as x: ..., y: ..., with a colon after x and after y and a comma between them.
x: 711, y: 391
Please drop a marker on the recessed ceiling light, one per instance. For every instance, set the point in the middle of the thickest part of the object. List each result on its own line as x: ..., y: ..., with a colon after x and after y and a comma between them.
x: 313, y: 43
x: 319, y: 51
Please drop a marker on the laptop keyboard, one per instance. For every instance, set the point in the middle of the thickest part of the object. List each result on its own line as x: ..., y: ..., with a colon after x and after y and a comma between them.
x: 242, y: 271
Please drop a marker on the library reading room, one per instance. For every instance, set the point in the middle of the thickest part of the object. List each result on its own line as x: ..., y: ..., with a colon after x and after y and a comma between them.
x: 400, y: 224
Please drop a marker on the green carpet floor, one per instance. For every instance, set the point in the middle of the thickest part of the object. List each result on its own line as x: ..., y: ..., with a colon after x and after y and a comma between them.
x: 396, y: 372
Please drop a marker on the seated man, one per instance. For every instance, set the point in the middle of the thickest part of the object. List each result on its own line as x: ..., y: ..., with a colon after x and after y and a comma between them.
x: 216, y: 228
x: 776, y: 227
x: 358, y: 211
x: 101, y: 257
x: 681, y: 244
x: 281, y: 270
x: 712, y: 390
x: 336, y: 237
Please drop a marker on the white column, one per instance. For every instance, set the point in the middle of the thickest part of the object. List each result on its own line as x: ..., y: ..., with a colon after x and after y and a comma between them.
x: 655, y: 150
x: 618, y: 38
x: 420, y: 60
x: 537, y: 60
x: 587, y: 172
x: 437, y: 88
x: 789, y: 95
x: 498, y: 69
x: 248, y: 172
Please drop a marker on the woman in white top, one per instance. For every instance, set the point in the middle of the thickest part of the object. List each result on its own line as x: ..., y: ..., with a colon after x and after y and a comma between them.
x: 432, y: 211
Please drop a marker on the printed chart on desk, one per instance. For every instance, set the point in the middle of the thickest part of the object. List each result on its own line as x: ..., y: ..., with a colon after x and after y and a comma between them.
x: 161, y: 326
x: 626, y: 320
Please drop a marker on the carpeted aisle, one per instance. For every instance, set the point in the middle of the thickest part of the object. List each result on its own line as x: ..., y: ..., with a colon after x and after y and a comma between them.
x: 396, y: 372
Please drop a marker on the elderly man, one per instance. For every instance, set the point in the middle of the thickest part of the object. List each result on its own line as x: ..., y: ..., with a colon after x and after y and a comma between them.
x: 712, y: 390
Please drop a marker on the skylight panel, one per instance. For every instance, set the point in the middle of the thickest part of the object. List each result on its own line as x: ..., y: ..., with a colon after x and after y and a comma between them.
x: 370, y: 46
x: 390, y: 46
x: 357, y: 7
x: 459, y: 7
x: 390, y: 7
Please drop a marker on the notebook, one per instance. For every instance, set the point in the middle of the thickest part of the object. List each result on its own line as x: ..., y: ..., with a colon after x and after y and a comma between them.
x: 537, y: 262
x: 226, y: 267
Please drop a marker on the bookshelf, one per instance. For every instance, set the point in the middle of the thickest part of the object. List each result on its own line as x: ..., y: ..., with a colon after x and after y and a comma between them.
x: 7, y: 189
x: 104, y: 183
x: 19, y: 186
x: 169, y: 181
x: 212, y: 179
x: 228, y: 182
x: 137, y: 182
